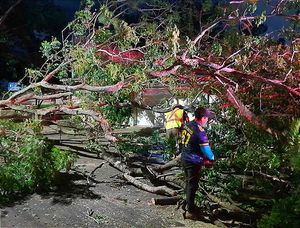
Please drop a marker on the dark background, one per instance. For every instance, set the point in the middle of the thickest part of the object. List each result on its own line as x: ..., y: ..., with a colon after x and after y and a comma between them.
x: 33, y: 21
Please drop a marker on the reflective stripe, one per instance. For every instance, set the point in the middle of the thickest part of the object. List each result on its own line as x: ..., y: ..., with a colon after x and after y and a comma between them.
x: 204, y: 144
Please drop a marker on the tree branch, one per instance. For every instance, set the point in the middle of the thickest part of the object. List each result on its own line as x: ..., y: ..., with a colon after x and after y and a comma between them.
x: 162, y: 190
x: 17, y: 97
x: 245, y: 112
x: 5, y: 15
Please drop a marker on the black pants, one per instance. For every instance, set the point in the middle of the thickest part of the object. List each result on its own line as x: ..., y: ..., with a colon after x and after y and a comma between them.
x: 192, y: 176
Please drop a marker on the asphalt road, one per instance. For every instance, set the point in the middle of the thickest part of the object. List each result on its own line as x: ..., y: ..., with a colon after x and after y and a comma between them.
x: 111, y: 202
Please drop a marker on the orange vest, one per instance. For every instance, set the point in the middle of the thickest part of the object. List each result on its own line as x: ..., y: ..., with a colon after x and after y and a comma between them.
x: 174, y: 118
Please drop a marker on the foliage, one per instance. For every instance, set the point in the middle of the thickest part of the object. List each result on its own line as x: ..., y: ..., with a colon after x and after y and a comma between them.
x: 241, y: 147
x: 117, y: 116
x: 142, y: 144
x: 192, y: 50
x: 258, y: 151
x: 48, y: 48
x: 93, y: 45
x: 131, y: 146
x: 285, y: 213
x: 294, y: 146
x: 28, y: 161
x: 249, y: 148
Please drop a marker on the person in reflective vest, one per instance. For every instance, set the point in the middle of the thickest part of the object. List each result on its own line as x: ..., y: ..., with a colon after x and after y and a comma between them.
x: 175, y: 120
x: 196, y: 153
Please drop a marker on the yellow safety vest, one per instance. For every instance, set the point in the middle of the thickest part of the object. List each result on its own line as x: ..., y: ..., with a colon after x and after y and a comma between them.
x: 174, y: 118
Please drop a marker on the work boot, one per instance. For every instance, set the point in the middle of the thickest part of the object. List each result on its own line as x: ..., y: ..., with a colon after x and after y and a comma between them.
x: 198, y: 209
x: 192, y: 215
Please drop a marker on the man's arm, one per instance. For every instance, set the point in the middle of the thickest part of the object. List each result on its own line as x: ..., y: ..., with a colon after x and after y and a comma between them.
x: 204, y: 145
x: 207, y: 152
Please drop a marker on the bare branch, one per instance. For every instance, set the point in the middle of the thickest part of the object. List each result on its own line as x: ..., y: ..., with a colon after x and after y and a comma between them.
x: 250, y: 116
x: 2, y: 19
x: 166, y: 72
x: 18, y: 96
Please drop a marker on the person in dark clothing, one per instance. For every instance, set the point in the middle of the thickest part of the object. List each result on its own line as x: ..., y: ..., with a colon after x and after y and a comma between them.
x: 196, y: 153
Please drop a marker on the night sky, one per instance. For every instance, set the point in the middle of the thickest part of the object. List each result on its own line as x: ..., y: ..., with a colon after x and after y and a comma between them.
x: 33, y: 21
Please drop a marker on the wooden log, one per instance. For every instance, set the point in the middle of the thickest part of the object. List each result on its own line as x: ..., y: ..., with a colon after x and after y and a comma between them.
x: 162, y: 190
x: 168, y: 165
x: 13, y: 115
x: 220, y: 224
x: 266, y: 176
x: 120, y: 165
x: 115, y: 162
x: 226, y: 205
x: 173, y: 179
x: 166, y: 200
x: 78, y: 151
x: 168, y: 178
x: 137, y: 130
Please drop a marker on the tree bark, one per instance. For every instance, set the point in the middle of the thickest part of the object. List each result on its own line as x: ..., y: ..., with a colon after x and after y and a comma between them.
x: 162, y: 190
x: 168, y: 165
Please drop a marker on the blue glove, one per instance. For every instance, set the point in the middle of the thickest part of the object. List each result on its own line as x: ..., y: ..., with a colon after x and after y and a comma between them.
x: 207, y: 152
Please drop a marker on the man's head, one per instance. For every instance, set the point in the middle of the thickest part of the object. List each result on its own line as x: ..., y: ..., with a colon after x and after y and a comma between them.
x: 202, y: 115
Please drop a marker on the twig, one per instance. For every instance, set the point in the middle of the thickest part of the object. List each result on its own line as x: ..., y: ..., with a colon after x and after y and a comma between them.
x: 8, y: 11
x: 90, y: 175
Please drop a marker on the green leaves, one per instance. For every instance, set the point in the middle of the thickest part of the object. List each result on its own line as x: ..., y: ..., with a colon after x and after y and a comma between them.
x: 217, y: 49
x: 207, y: 5
x: 50, y: 48
x: 127, y: 35
x: 63, y: 160
x: 105, y: 16
x: 102, y: 36
x: 285, y: 213
x: 274, y: 162
x: 32, y: 74
x: 294, y: 145
x: 81, y: 25
x: 261, y: 19
x: 114, y: 71
x: 117, y: 116
x: 28, y: 161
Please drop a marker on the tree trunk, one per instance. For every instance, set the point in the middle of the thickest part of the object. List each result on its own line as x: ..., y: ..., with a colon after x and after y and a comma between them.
x: 162, y: 190
x: 168, y: 165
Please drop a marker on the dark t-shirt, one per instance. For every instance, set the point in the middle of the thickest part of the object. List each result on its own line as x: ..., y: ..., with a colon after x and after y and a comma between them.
x: 193, y: 136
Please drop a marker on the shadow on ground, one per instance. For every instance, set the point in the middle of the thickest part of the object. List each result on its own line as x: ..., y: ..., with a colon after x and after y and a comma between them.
x: 64, y: 190
x: 68, y: 187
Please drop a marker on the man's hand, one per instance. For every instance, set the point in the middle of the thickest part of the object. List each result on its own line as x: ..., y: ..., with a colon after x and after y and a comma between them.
x: 208, y: 163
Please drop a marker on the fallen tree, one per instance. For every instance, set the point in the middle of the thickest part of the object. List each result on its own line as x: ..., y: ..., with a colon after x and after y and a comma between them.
x: 101, y: 68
